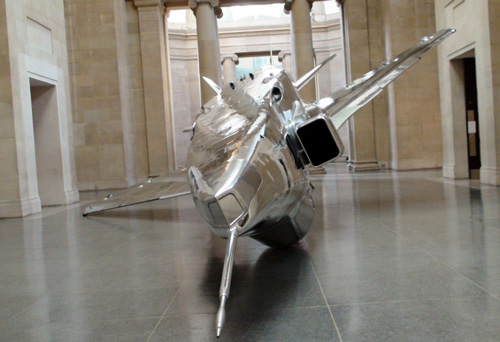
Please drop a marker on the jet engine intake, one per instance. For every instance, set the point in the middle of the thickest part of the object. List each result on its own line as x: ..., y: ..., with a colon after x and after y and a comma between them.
x: 320, y: 140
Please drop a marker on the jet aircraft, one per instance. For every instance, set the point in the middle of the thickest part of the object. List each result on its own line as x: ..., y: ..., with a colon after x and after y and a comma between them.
x: 252, y: 144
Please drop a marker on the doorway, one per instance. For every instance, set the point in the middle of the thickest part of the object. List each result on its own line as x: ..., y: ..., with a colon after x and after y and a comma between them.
x: 472, y: 118
x: 47, y: 139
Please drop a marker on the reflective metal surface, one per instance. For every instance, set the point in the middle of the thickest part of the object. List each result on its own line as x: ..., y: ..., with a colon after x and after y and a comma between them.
x: 345, y: 102
x: 225, y: 284
x: 159, y: 188
x: 246, y: 162
x: 239, y: 165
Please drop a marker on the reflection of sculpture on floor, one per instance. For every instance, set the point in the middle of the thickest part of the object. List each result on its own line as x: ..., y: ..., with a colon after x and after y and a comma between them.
x: 251, y: 145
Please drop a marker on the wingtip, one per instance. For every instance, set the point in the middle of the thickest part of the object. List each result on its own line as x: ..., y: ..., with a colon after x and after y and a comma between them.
x: 87, y: 211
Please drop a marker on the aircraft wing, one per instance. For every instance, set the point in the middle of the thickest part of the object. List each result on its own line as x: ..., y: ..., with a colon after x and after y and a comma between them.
x: 158, y: 188
x: 343, y: 103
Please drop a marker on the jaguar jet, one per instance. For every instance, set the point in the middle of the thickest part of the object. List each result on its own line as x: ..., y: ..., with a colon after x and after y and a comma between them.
x: 252, y: 144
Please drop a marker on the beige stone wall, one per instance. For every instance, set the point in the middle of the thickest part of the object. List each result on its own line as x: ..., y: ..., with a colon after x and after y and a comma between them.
x: 135, y: 60
x: 132, y: 170
x: 413, y: 98
x: 401, y: 128
x: 480, y: 41
x: 37, y: 55
x: 379, y: 104
x: 156, y: 82
x: 362, y: 148
x: 9, y: 188
x: 101, y: 93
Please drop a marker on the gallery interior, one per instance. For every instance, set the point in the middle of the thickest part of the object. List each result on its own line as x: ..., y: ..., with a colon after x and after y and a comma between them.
x: 100, y: 95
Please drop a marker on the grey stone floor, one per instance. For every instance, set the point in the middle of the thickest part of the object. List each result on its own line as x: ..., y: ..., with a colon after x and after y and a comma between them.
x: 389, y: 257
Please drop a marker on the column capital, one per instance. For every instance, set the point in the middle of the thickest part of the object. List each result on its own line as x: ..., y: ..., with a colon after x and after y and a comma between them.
x: 148, y: 3
x: 233, y: 56
x: 288, y: 5
x: 214, y: 3
x: 282, y: 55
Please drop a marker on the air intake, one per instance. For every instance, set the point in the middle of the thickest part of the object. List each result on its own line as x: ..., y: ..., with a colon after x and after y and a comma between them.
x: 320, y: 140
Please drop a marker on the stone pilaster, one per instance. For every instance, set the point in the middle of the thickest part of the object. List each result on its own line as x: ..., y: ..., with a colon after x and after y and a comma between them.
x: 229, y: 63
x: 157, y: 99
x: 101, y: 90
x: 362, y: 152
x: 207, y: 12
x: 11, y: 204
x: 413, y: 99
x: 302, y: 46
x: 490, y: 142
x: 482, y: 43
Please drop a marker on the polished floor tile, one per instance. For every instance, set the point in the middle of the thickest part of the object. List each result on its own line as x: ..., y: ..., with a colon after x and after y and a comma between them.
x: 390, y: 256
x: 129, y: 330
x: 467, y: 319
x: 299, y: 324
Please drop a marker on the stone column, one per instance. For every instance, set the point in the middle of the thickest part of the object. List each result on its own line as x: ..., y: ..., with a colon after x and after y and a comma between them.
x: 285, y: 57
x: 489, y: 105
x: 156, y: 87
x: 362, y: 151
x: 302, y: 46
x: 207, y: 12
x: 229, y: 63
x: 413, y: 99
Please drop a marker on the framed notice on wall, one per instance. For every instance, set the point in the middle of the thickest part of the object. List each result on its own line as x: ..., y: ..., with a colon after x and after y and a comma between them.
x: 471, y: 127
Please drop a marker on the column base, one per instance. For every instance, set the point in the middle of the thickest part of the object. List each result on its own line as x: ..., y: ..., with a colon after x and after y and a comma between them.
x: 20, y: 208
x: 451, y: 171
x: 490, y: 175
x: 363, y: 166
x: 317, y: 170
x: 72, y: 196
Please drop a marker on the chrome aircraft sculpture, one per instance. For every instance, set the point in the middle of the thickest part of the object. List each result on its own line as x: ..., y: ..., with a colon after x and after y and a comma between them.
x: 251, y: 146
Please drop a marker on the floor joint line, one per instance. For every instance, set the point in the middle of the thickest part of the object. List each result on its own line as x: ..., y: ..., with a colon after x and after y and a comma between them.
x: 437, y: 259
x: 323, y: 294
x: 163, y: 315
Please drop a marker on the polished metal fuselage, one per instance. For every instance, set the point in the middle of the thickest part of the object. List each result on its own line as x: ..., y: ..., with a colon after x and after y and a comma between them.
x: 247, y: 163
x: 241, y: 169
x: 251, y: 144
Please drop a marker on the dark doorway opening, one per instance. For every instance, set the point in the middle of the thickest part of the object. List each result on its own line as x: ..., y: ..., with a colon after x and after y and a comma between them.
x: 472, y: 118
